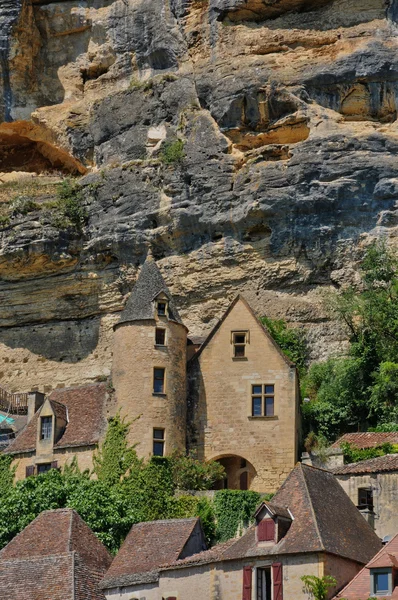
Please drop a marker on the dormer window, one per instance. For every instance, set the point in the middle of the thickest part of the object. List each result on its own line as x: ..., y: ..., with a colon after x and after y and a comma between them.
x: 46, y: 425
x: 381, y: 582
x: 266, y: 531
x: 161, y: 307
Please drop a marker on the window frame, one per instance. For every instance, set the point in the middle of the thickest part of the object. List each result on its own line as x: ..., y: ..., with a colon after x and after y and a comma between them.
x: 166, y: 308
x: 44, y: 429
x: 155, y: 392
x: 369, y: 505
x: 158, y: 440
x: 40, y: 465
x: 263, y: 572
x: 164, y: 334
x: 380, y: 571
x: 243, y: 345
x: 264, y: 395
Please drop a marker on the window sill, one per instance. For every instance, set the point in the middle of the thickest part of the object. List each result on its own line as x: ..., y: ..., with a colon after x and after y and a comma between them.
x: 159, y: 394
x: 161, y: 346
x: 239, y: 358
x: 252, y: 418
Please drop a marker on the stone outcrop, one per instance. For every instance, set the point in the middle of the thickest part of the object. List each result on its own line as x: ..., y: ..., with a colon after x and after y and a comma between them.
x: 286, y: 115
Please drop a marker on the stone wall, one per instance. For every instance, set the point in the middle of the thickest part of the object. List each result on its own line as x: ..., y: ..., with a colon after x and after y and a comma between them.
x: 63, y: 456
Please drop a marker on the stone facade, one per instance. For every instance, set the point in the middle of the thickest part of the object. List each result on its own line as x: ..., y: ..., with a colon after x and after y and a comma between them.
x: 221, y: 423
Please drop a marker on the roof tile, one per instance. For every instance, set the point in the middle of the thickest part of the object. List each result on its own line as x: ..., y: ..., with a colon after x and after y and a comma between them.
x: 368, y: 439
x: 380, y: 464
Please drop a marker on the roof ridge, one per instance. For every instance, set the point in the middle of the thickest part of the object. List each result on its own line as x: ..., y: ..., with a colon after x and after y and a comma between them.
x: 311, y: 505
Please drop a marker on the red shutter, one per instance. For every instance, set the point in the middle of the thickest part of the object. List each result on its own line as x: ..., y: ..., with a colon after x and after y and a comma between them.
x: 247, y: 583
x: 30, y: 470
x: 54, y: 464
x: 277, y: 581
x: 266, y: 531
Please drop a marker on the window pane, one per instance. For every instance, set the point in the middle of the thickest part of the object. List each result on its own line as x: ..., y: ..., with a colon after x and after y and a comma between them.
x: 158, y: 384
x: 256, y: 389
x: 269, y: 389
x: 269, y: 407
x: 158, y: 448
x: 239, y: 351
x: 256, y: 410
x: 158, y: 434
x: 46, y: 428
x: 240, y: 338
x: 161, y: 308
x: 43, y: 468
x: 381, y: 582
x: 160, y: 337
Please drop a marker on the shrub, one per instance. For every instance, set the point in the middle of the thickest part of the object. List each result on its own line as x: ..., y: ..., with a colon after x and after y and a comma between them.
x: 318, y: 587
x: 353, y: 454
x: 70, y: 211
x: 172, y: 152
x: 233, y: 509
x: 22, y: 205
x: 192, y: 474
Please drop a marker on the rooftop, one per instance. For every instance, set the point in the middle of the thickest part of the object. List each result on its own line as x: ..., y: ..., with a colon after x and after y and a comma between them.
x: 381, y: 464
x: 150, y: 284
x: 368, y: 439
x: 84, y: 410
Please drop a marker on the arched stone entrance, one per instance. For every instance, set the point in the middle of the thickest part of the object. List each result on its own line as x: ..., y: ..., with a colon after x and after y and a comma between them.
x: 239, y: 472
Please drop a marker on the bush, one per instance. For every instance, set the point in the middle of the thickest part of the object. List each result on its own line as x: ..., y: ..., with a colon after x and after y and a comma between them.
x: 70, y: 211
x: 192, y: 474
x: 291, y: 341
x: 22, y: 205
x: 234, y: 509
x: 353, y: 454
x: 172, y: 152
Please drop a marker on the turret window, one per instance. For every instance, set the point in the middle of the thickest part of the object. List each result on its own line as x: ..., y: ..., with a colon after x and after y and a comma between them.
x: 162, y: 308
x: 158, y: 442
x: 159, y: 380
x: 46, y: 424
x: 160, y: 337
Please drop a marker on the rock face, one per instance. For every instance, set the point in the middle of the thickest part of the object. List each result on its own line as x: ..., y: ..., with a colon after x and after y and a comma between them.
x: 250, y: 143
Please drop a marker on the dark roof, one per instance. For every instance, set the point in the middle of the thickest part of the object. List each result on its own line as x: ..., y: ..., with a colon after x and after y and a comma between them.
x: 147, y: 547
x: 85, y: 410
x: 149, y: 284
x: 359, y: 587
x: 381, y: 464
x: 57, y: 556
x: 221, y: 321
x: 368, y: 439
x: 324, y: 519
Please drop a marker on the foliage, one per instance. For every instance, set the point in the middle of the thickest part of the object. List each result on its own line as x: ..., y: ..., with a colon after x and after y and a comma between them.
x: 291, y: 341
x: 172, y: 152
x: 70, y: 210
x: 192, y: 474
x: 194, y: 506
x: 360, y: 390
x: 115, y: 458
x: 22, y: 205
x: 353, y: 454
x: 7, y: 473
x: 318, y: 587
x: 233, y: 509
x: 318, y: 444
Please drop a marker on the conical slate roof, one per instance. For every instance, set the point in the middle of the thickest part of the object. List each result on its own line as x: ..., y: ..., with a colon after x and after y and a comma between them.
x: 150, y: 284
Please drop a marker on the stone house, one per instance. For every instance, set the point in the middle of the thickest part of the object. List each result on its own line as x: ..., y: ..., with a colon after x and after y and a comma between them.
x: 372, y: 486
x: 378, y: 578
x: 69, y: 423
x: 233, y: 398
x: 56, y: 557
x: 310, y: 528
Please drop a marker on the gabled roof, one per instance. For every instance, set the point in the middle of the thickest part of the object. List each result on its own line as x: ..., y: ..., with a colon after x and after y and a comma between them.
x: 274, y: 510
x: 359, y: 587
x: 57, y: 556
x: 148, y: 546
x: 149, y: 285
x: 221, y: 321
x: 84, y: 407
x: 380, y: 464
x: 325, y: 520
x: 367, y: 439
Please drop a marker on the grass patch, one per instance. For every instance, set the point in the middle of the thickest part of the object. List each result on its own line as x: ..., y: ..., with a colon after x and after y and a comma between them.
x: 172, y: 152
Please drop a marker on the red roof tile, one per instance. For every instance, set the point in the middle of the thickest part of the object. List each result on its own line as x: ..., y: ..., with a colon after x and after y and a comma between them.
x: 359, y: 587
x: 56, y: 557
x: 381, y: 464
x: 367, y: 439
x: 147, y: 547
x: 85, y: 410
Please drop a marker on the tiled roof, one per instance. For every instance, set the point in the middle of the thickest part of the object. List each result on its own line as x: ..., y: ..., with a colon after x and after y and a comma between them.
x: 278, y: 511
x: 85, y: 407
x: 367, y: 439
x: 56, y: 557
x: 359, y: 587
x: 381, y: 464
x: 147, y: 547
x: 201, y: 558
x: 60, y: 411
x: 325, y: 519
x: 149, y: 284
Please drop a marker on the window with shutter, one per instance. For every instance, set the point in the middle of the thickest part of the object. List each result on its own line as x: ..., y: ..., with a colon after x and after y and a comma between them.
x: 277, y: 581
x: 30, y: 470
x: 247, y: 583
x: 266, y: 531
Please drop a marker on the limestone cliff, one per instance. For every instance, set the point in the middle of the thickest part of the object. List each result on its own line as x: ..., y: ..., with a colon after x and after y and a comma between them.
x: 287, y: 114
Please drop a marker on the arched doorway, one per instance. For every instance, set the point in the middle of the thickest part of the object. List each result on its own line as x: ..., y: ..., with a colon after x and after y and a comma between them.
x: 239, y: 472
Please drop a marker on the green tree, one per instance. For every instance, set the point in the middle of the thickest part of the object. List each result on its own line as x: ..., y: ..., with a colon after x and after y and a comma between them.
x: 290, y: 340
x: 318, y: 587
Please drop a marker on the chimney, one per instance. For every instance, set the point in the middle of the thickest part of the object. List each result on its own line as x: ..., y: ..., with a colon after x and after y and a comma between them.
x: 35, y: 401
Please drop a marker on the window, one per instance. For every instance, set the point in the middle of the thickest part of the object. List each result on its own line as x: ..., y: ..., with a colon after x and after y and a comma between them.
x: 162, y: 308
x: 158, y: 380
x: 264, y: 584
x: 158, y: 442
x: 43, y: 468
x: 160, y: 337
x: 266, y: 530
x: 381, y: 581
x: 365, y: 498
x: 263, y: 400
x: 239, y: 341
x: 46, y: 428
